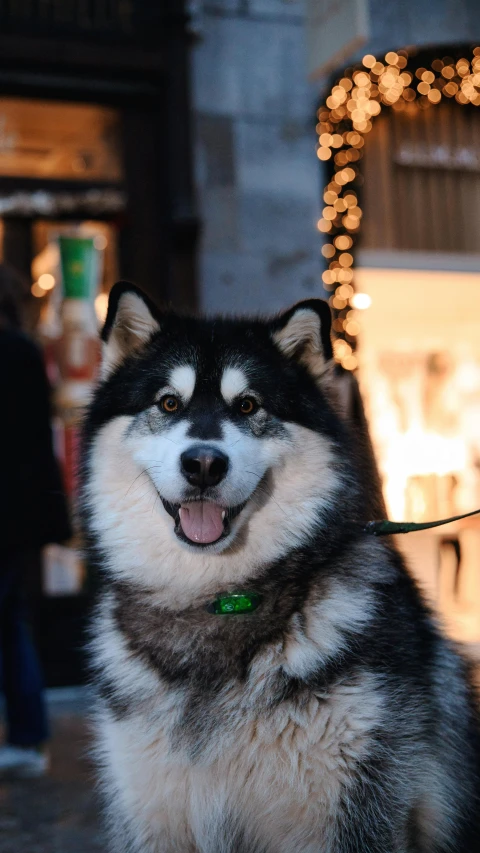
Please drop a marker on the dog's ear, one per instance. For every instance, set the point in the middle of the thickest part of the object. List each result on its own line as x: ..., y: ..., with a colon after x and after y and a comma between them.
x: 303, y: 333
x: 131, y: 320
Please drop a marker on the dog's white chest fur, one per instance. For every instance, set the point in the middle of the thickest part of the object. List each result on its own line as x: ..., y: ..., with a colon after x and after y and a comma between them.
x: 273, y: 779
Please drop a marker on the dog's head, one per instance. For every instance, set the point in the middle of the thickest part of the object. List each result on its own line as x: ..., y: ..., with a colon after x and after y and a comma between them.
x: 212, y: 444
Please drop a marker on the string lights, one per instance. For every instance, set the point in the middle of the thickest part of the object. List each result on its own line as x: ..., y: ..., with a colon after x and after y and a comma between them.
x: 343, y: 123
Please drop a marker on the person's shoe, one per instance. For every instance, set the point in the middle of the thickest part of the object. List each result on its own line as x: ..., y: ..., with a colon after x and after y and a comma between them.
x: 20, y: 762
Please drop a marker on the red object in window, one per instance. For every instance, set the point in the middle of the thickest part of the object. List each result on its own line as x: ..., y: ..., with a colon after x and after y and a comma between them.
x: 72, y: 451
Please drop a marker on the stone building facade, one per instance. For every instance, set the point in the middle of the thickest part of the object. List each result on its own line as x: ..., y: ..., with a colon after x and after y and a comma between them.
x: 259, y: 182
x: 258, y: 179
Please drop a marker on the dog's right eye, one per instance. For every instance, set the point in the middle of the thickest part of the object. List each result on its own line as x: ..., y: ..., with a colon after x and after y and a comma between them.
x: 169, y: 403
x: 247, y: 406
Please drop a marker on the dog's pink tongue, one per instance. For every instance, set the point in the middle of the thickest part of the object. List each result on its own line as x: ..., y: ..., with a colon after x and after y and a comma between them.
x: 201, y: 521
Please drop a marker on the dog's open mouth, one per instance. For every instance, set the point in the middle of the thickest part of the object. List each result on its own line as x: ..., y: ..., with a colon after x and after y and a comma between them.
x: 201, y: 522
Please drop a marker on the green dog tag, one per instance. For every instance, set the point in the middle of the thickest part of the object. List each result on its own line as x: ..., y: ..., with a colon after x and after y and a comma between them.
x: 236, y: 602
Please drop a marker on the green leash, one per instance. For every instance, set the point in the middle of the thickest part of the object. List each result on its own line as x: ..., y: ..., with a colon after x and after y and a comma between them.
x: 385, y: 528
x: 235, y: 603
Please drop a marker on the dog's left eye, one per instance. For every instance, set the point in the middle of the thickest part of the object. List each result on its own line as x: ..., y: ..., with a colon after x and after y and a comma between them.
x: 247, y: 406
x: 169, y: 403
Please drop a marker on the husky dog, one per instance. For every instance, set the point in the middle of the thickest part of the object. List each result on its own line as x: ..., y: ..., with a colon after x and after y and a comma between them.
x: 269, y: 678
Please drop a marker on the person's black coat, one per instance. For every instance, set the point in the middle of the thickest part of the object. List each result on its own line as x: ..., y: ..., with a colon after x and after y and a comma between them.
x: 33, y: 508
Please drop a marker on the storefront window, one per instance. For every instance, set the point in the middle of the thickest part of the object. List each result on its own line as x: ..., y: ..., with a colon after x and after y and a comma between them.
x: 61, y: 174
x: 418, y: 269
x: 62, y: 141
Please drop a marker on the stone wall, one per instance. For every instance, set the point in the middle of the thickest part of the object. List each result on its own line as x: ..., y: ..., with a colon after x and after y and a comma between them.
x: 257, y: 172
x: 421, y: 22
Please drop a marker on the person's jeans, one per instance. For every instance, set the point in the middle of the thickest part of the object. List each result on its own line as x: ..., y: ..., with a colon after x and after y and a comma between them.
x: 20, y: 673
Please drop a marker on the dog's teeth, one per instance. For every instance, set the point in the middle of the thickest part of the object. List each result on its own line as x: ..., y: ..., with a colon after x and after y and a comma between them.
x: 223, y: 514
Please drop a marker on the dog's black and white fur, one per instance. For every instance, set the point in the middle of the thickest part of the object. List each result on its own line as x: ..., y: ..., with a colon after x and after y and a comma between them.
x: 333, y: 719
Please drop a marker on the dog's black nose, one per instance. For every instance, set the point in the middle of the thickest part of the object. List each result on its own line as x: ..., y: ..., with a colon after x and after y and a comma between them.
x: 204, y: 466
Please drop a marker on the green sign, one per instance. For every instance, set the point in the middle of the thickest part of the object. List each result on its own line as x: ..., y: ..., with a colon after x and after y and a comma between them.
x: 79, y: 267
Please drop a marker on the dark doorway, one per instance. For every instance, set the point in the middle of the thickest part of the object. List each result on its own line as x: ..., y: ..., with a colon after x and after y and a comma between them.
x: 124, y: 64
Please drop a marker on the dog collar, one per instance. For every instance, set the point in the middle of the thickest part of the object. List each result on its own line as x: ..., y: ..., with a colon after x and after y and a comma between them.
x: 234, y: 602
x: 385, y: 528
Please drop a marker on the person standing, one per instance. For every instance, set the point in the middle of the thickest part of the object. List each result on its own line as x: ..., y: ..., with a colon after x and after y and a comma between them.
x: 33, y: 513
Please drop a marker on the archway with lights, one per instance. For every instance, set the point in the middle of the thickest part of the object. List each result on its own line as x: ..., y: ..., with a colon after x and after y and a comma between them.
x: 401, y: 82
x: 419, y: 359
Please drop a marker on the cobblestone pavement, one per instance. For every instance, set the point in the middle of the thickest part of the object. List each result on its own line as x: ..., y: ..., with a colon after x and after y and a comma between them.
x: 59, y: 813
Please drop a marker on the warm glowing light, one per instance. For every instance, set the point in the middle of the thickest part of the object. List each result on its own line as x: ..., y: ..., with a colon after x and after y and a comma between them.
x: 450, y: 89
x: 345, y: 259
x: 355, y: 211
x: 328, y: 250
x: 349, y: 362
x: 341, y: 348
x: 347, y: 174
x: 345, y: 120
x: 329, y: 197
x: 101, y: 306
x: 391, y: 57
x: 324, y: 153
x: 428, y: 76
x: 345, y: 291
x: 355, y: 139
x: 352, y: 154
x: 342, y: 242
x: 363, y: 126
x: 328, y: 280
x: 352, y: 327
x: 36, y: 290
x: 46, y: 281
x: 361, y: 301
x: 350, y: 199
x: 324, y: 226
x: 361, y: 79
x: 100, y: 242
x: 345, y: 275
x: 341, y: 159
x: 448, y: 72
x: 374, y: 108
x: 329, y: 213
x: 351, y: 222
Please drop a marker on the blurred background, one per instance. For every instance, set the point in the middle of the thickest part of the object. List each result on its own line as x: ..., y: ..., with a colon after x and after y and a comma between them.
x: 237, y: 156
